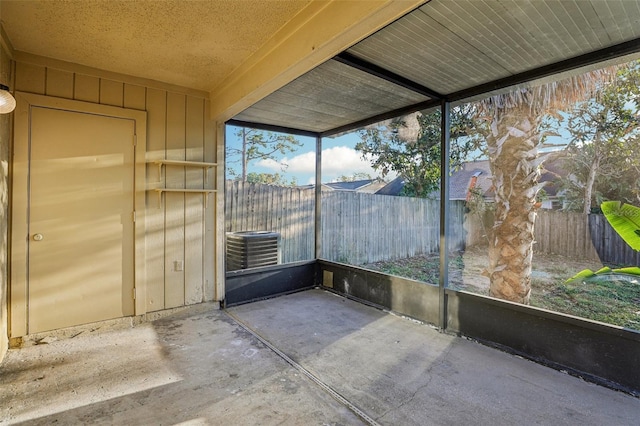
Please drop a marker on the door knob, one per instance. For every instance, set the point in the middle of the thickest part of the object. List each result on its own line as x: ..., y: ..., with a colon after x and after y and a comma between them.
x: 38, y: 237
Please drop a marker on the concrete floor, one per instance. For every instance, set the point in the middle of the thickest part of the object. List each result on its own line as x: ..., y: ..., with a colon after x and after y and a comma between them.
x: 311, y: 358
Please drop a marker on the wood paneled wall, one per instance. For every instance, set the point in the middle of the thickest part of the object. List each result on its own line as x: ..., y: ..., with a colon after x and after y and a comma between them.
x: 179, y: 226
x: 5, y: 143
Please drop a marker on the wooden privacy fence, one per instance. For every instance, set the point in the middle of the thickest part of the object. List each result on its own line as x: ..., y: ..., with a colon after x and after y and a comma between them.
x: 564, y: 233
x: 356, y: 228
x: 289, y: 211
x: 360, y: 228
x: 609, y: 245
x: 573, y: 235
x: 555, y: 232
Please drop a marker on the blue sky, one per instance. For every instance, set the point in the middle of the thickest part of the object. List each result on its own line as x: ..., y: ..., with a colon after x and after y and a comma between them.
x: 338, y: 158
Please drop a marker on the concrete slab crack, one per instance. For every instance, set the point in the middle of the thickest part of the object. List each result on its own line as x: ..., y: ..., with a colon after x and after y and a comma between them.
x: 357, y: 411
x: 428, y: 377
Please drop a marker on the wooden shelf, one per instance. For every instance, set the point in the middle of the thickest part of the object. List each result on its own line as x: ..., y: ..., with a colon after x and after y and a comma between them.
x: 186, y: 163
x: 181, y: 163
x: 204, y: 192
x: 197, y: 191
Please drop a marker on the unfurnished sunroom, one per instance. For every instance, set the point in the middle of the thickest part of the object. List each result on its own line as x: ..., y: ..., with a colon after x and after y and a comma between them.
x: 115, y: 152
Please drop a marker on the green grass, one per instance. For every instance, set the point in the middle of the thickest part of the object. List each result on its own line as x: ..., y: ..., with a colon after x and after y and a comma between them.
x: 420, y: 268
x: 415, y: 268
x: 613, y: 301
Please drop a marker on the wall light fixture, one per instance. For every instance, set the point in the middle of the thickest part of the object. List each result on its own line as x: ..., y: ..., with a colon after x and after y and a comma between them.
x: 7, y: 101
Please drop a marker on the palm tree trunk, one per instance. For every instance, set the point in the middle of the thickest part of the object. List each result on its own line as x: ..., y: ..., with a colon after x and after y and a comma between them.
x: 513, y: 151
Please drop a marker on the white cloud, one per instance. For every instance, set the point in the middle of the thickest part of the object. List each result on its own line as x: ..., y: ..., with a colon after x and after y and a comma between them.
x: 339, y: 159
x: 336, y: 161
x: 303, y: 163
x: 270, y: 164
x: 344, y: 160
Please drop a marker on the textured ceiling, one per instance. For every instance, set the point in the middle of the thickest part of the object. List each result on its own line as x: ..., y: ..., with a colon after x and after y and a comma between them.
x: 443, y: 50
x: 195, y: 44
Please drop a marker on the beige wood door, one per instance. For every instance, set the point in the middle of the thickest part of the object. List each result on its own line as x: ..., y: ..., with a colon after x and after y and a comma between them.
x: 81, y: 231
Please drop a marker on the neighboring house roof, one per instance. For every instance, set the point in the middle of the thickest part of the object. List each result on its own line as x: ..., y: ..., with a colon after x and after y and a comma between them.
x: 477, y: 174
x: 392, y: 188
x: 364, y: 185
x: 553, y: 170
x: 461, y: 179
x: 353, y: 185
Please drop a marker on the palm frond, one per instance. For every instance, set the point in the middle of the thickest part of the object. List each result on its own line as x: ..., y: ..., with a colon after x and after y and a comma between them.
x: 551, y: 96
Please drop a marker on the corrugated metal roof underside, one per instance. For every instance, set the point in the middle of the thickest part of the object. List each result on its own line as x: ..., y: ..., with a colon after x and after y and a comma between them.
x: 327, y: 97
x: 449, y: 46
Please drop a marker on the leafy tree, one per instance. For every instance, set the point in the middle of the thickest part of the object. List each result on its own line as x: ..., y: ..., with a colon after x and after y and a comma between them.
x: 354, y: 177
x: 270, y: 179
x: 602, y: 155
x: 258, y: 145
x: 410, y: 147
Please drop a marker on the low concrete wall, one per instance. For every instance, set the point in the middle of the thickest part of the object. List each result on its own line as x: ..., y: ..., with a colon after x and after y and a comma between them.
x: 259, y: 283
x: 408, y: 297
x: 601, y: 353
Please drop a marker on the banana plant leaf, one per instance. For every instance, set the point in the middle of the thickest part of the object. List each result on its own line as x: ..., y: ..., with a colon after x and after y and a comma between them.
x: 625, y: 219
x: 628, y: 274
x: 631, y: 270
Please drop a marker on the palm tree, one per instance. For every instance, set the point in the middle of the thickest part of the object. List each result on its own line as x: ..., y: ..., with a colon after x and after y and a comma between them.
x: 514, y: 138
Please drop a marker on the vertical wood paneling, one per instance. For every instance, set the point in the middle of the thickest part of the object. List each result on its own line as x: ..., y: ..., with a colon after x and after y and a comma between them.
x: 30, y: 78
x: 220, y: 208
x: 180, y: 228
x: 210, y: 149
x: 59, y: 83
x: 174, y: 202
x: 111, y: 92
x: 156, y: 101
x: 5, y: 185
x: 194, y: 203
x: 134, y: 97
x: 87, y: 88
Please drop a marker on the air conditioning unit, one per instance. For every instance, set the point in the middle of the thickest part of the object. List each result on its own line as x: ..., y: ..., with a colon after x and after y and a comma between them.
x: 252, y: 249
